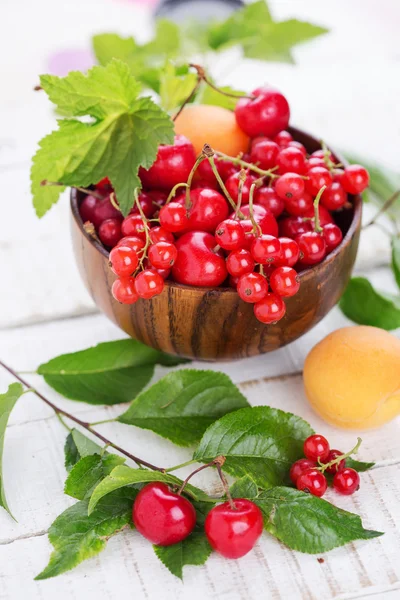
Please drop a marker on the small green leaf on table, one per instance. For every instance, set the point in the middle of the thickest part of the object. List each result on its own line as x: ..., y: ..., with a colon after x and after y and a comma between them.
x: 88, y: 473
x: 194, y: 550
x: 359, y: 465
x: 77, y: 446
x: 396, y: 259
x: 7, y: 403
x: 261, y: 442
x: 309, y: 524
x: 366, y: 306
x: 76, y: 536
x: 109, y: 373
x: 245, y: 487
x: 183, y: 404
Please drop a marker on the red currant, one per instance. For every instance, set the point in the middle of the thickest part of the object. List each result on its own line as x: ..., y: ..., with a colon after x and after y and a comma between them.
x: 312, y: 481
x: 312, y: 248
x: 240, y: 262
x: 110, y: 232
x: 283, y: 139
x: 198, y: 264
x: 270, y: 309
x: 123, y: 260
x: 252, y: 287
x: 134, y: 242
x: 338, y: 466
x: 149, y: 284
x: 293, y: 227
x: 314, y: 161
x: 173, y: 217
x: 316, y: 447
x: 232, y: 185
x: 133, y: 226
x: 205, y: 173
x: 162, y: 255
x: 146, y: 204
x: 299, y: 146
x: 318, y: 177
x: 346, y: 481
x: 159, y: 234
x: 284, y: 281
x: 233, y: 532
x: 264, y: 153
x: 124, y: 290
x: 291, y: 160
x: 161, y: 516
x: 332, y: 236
x: 86, y: 208
x: 263, y: 217
x: 208, y: 209
x: 299, y: 206
x: 266, y: 249
x: 299, y: 467
x: 104, y: 186
x: 172, y: 165
x: 290, y: 253
x: 267, y: 114
x: 325, y: 216
x: 355, y: 179
x: 230, y: 235
x: 268, y: 199
x: 289, y: 185
x: 104, y: 210
x: 334, y: 197
x: 233, y: 281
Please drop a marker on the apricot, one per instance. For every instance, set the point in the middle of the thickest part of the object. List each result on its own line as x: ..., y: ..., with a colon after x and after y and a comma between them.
x: 213, y: 125
x: 352, y: 377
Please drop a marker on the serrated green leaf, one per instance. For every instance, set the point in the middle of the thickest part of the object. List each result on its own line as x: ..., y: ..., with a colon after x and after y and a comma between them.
x: 359, y: 465
x: 245, y: 487
x: 175, y: 88
x: 194, y: 550
x: 183, y: 404
x: 262, y: 442
x: 109, y: 373
x: 166, y: 42
x: 125, y: 135
x: 242, y: 24
x: 124, y: 476
x: 366, y: 306
x: 107, y: 46
x: 309, y: 524
x: 88, y: 473
x: 76, y: 536
x: 7, y: 403
x: 396, y: 259
x: 210, y: 96
x: 78, y: 446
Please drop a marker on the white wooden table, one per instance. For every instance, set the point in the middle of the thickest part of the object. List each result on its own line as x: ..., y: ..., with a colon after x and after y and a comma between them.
x: 45, y: 311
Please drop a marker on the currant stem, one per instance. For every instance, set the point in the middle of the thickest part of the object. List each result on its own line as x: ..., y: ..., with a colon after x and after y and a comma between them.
x: 338, y: 459
x: 80, y: 189
x: 113, y: 201
x: 87, y: 426
x: 146, y: 230
x: 174, y: 190
x: 203, y: 77
x: 256, y: 227
x: 242, y: 179
x: 317, y: 224
x: 385, y: 207
x: 199, y: 160
x: 246, y: 165
x: 221, y: 182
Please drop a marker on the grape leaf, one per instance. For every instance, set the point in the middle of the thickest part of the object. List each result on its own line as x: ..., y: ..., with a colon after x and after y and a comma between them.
x: 183, y: 404
x: 7, y: 403
x: 175, y: 87
x: 194, y: 550
x: 309, y: 524
x: 366, y: 306
x: 245, y: 487
x: 261, y: 442
x: 78, y: 446
x: 396, y: 259
x: 359, y: 465
x: 125, y: 134
x: 123, y: 476
x: 76, y: 536
x: 109, y: 373
x: 88, y: 473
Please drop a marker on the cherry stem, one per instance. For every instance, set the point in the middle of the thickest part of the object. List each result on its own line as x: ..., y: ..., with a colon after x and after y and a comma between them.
x: 209, y: 153
x: 87, y: 426
x: 174, y: 190
x: 317, y: 224
x: 113, y: 201
x: 184, y: 483
x: 80, y: 189
x: 338, y: 459
x: 256, y: 227
x: 246, y: 165
x: 224, y: 482
x: 384, y: 208
x: 242, y: 179
x: 202, y: 76
x: 199, y: 160
x: 188, y: 99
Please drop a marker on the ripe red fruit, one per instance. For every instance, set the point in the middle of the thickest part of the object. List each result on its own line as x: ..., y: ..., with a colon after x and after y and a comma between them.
x: 338, y: 466
x: 124, y: 290
x: 318, y: 177
x: 334, y: 196
x: 146, y: 204
x: 162, y: 517
x: 291, y: 160
x: 252, y: 287
x: 312, y: 248
x: 104, y: 210
x: 232, y: 185
x: 230, y: 235
x: 173, y: 217
x: 268, y: 199
x: 86, y: 208
x: 104, y: 186
x: 325, y: 216
x: 133, y: 226
x: 267, y: 114
x: 299, y: 467
x: 270, y: 309
x: 289, y: 185
x: 157, y: 196
x: 134, y: 242
x: 264, y: 218
x: 197, y: 263
x: 283, y: 139
x: 346, y: 481
x: 316, y: 447
x: 234, y: 532
x: 332, y: 236
x: 314, y: 161
x: 110, y: 232
x: 265, y: 249
x: 205, y: 173
x: 162, y: 255
x: 290, y: 253
x: 313, y: 482
x: 208, y: 209
x: 123, y: 260
x: 240, y: 262
x: 298, y: 207
x: 149, y: 284
x: 264, y: 153
x: 355, y: 179
x: 172, y: 165
x: 159, y: 234
x: 299, y: 146
x: 284, y: 281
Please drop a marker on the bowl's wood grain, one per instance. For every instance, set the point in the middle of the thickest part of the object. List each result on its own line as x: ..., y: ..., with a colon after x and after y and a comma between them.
x: 214, y: 324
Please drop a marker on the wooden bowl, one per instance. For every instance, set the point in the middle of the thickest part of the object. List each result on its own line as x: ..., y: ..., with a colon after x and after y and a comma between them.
x: 215, y: 324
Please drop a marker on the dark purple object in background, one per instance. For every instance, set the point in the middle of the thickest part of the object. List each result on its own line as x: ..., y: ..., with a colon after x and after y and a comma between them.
x: 197, y: 10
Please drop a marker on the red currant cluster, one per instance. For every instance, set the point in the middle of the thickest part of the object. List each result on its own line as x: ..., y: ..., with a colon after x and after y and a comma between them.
x: 252, y: 221
x: 307, y: 474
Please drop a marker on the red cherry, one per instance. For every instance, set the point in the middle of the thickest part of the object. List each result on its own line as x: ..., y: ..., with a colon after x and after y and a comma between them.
x: 197, y: 264
x: 318, y: 177
x: 165, y: 273
x: 104, y: 186
x: 332, y: 235
x: 265, y: 249
x: 240, y: 262
x: 105, y: 210
x: 133, y: 226
x: 124, y: 290
x: 313, y: 482
x: 149, y: 284
x: 234, y: 532
x: 338, y: 466
x: 172, y: 165
x: 252, y: 287
x: 294, y: 226
x: 230, y: 235
x: 316, y: 447
x: 162, y: 517
x: 299, y: 206
x: 157, y: 196
x: 268, y: 199
x: 267, y: 114
x: 346, y: 481
x: 208, y: 209
x: 146, y: 204
x: 270, y: 309
x: 312, y: 248
x: 264, y: 153
x: 162, y: 255
x: 86, y: 208
x: 173, y: 217
x: 334, y: 197
x: 289, y: 185
x: 299, y: 467
x: 232, y: 185
x: 123, y: 260
x: 134, y: 242
x: 284, y: 281
x: 290, y: 253
x: 291, y: 160
x: 110, y: 232
x: 159, y: 234
x: 355, y: 179
x: 283, y: 139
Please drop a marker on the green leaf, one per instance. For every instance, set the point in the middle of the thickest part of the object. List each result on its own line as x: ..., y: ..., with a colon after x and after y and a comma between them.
x: 366, y: 306
x: 245, y: 487
x: 7, y: 403
x: 183, y: 404
x: 76, y: 536
x: 211, y: 96
x: 88, y: 473
x: 396, y: 259
x: 358, y: 465
x: 194, y: 550
x: 175, y: 88
x: 125, y: 135
x: 107, y: 46
x: 261, y: 442
x: 166, y: 42
x: 109, y: 373
x: 78, y: 446
x: 124, y: 476
x: 309, y: 524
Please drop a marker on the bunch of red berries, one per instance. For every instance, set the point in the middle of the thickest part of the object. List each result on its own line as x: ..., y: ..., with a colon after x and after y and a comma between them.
x: 307, y: 474
x: 250, y: 222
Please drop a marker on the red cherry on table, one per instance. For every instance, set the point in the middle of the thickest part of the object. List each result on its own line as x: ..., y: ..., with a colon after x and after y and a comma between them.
x: 162, y: 517
x: 266, y: 249
x: 252, y: 287
x: 133, y: 226
x: 299, y: 467
x: 197, y: 263
x: 338, y: 466
x: 346, y: 481
x: 232, y: 185
x: 208, y: 209
x: 312, y: 247
x: 284, y: 281
x: 149, y: 284
x: 268, y: 199
x: 173, y: 217
x: 105, y: 210
x: 334, y: 197
x: 267, y: 114
x: 264, y: 153
x: 355, y: 179
x: 233, y: 532
x: 270, y: 309
x: 86, y: 208
x: 230, y: 235
x: 313, y: 482
x: 124, y: 290
x: 332, y: 236
x: 316, y: 447
x: 162, y: 255
x: 110, y: 232
x: 240, y: 262
x: 291, y: 160
x: 123, y: 260
x: 172, y: 165
x: 290, y: 253
x: 289, y: 186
